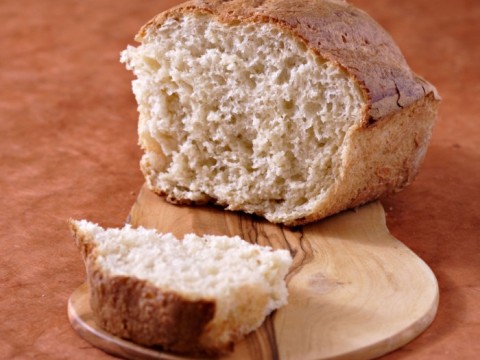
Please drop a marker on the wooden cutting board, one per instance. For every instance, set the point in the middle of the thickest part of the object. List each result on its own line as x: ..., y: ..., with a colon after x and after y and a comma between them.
x: 355, y: 291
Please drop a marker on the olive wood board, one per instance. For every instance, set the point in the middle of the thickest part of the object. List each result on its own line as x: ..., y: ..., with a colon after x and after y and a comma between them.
x: 355, y: 292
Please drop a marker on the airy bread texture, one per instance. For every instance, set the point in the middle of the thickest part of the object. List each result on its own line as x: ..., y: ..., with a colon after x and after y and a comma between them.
x: 289, y: 110
x: 199, y: 294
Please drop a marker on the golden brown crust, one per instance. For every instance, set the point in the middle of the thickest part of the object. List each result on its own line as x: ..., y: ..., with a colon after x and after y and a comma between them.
x: 335, y: 30
x: 135, y: 309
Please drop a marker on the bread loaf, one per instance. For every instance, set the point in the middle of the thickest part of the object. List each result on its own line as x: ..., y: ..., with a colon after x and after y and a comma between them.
x: 292, y: 110
x: 197, y: 295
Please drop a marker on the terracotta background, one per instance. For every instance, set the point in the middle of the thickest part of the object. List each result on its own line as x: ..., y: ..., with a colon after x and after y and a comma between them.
x: 68, y: 149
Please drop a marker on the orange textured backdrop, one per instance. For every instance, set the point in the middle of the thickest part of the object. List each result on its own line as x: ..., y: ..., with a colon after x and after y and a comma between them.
x: 69, y: 149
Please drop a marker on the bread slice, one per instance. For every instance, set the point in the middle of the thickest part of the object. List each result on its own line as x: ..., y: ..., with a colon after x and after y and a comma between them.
x: 196, y: 295
x: 292, y: 110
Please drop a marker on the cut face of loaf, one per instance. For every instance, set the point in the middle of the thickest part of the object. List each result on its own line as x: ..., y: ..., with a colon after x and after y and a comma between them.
x: 244, y: 110
x: 199, y: 294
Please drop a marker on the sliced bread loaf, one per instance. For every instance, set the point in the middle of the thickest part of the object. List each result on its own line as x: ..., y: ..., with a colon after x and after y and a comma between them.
x: 293, y: 110
x: 196, y: 295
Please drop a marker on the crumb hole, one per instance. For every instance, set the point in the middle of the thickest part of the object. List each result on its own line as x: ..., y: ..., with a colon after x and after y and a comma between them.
x: 151, y: 63
x: 312, y: 109
x: 283, y: 77
x: 288, y: 105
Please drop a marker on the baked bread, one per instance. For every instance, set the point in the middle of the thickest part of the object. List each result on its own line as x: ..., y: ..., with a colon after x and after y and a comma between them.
x: 197, y: 295
x: 292, y: 110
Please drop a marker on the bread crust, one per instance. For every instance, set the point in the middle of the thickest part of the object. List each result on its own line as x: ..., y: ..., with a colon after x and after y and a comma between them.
x: 336, y: 31
x: 135, y: 309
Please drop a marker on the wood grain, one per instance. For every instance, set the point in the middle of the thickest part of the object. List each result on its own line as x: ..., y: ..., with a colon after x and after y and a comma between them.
x: 355, y: 291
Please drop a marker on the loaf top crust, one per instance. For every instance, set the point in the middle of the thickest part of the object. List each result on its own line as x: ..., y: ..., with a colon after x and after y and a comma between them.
x: 336, y: 31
